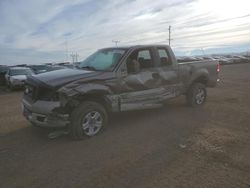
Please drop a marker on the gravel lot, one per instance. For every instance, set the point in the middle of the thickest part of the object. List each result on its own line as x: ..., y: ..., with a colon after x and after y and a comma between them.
x: 175, y: 146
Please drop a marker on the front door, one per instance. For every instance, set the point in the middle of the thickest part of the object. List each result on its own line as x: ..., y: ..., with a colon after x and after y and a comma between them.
x: 141, y: 88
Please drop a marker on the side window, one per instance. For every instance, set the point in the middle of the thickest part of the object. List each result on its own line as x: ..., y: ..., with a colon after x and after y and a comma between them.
x: 144, y: 54
x: 138, y: 60
x: 164, y: 59
x: 145, y: 59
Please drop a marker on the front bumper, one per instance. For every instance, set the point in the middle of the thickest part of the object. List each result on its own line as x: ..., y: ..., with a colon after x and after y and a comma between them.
x: 40, y: 113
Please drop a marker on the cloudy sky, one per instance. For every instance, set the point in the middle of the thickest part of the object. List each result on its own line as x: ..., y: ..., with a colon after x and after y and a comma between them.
x: 38, y: 31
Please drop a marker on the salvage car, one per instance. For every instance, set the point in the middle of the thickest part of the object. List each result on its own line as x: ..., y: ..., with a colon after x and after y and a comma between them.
x: 16, y: 76
x: 3, y: 71
x: 38, y: 69
x: 114, y: 80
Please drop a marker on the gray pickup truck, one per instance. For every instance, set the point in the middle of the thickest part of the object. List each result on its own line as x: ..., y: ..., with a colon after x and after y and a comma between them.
x: 114, y: 80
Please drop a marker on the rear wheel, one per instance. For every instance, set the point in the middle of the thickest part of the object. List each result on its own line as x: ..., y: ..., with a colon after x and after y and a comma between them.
x: 196, y: 95
x: 87, y: 120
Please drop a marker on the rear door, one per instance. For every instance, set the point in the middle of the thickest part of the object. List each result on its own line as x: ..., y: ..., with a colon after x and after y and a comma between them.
x: 167, y: 70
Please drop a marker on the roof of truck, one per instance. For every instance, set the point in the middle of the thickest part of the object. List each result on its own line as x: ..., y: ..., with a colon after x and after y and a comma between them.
x: 137, y: 46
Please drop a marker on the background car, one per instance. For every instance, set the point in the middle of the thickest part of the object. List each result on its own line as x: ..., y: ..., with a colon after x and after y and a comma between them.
x: 16, y: 76
x: 3, y: 71
x: 55, y: 67
x: 37, y: 69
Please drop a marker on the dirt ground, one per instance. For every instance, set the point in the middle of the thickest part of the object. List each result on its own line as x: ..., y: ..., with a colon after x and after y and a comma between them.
x: 174, y: 146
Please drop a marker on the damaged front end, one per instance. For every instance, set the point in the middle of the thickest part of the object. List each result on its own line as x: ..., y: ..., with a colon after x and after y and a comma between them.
x: 41, y: 106
x: 51, y: 105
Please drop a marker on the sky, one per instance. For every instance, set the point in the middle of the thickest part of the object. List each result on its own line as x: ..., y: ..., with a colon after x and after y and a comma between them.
x: 44, y: 31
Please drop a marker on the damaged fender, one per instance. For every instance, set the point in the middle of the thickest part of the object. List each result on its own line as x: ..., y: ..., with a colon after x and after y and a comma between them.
x: 73, y: 96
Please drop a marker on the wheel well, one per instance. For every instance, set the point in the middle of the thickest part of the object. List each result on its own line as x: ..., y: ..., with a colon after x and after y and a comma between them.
x: 99, y: 98
x: 74, y: 102
x: 201, y: 79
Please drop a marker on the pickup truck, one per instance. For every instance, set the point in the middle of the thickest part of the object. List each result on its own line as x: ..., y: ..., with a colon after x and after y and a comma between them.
x: 114, y: 80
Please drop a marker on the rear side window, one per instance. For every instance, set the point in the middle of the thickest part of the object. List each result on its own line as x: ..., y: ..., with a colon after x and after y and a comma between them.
x: 164, y: 58
x: 144, y: 54
x: 145, y: 59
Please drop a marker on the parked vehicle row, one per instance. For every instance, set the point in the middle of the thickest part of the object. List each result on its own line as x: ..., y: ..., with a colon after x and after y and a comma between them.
x: 14, y: 76
x: 223, y: 59
x: 42, y: 68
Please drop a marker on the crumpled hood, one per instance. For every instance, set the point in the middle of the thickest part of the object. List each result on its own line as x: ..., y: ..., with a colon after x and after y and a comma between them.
x: 61, y: 77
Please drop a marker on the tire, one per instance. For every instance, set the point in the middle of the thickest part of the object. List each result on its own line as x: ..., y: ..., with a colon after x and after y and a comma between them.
x: 196, y: 95
x: 88, y: 119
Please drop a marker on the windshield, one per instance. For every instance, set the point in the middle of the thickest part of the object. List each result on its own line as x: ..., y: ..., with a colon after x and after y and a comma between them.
x: 15, y: 72
x: 103, y: 60
x: 3, y: 69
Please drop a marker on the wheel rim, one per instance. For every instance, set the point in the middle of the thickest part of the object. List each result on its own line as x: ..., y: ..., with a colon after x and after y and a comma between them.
x: 200, y: 96
x: 92, y: 123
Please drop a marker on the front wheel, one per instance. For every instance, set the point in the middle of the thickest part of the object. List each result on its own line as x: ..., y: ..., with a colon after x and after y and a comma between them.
x: 87, y: 120
x: 196, y: 95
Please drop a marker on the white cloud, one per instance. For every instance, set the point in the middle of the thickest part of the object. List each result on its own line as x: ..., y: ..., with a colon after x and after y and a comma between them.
x: 44, y: 26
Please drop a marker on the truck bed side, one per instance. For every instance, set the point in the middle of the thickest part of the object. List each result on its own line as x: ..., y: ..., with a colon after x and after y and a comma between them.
x: 203, y: 71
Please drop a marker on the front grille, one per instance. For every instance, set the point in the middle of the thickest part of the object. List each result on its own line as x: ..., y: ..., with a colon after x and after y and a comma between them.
x: 47, y: 94
x: 36, y: 90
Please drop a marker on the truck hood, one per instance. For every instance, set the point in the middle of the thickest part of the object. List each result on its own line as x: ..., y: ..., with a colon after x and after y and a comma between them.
x: 62, y: 77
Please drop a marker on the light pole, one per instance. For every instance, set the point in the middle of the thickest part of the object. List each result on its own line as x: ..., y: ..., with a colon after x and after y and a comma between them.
x: 116, y: 42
